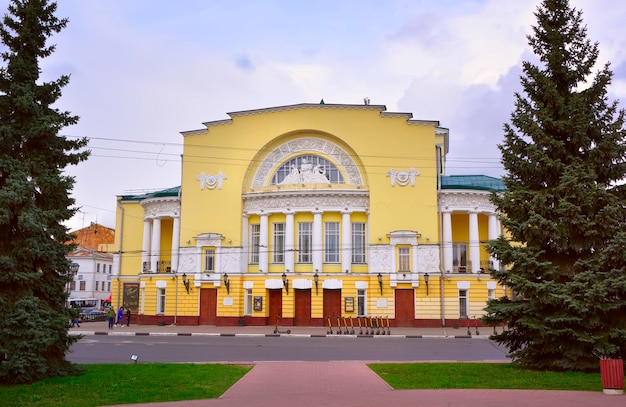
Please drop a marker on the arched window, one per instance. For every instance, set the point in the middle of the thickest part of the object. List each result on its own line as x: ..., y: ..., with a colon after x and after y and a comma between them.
x: 306, y: 169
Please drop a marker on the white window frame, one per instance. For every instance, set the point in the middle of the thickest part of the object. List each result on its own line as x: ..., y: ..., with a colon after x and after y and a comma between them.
x: 255, y: 241
x: 358, y: 243
x: 463, y: 304
x: 404, y: 259
x: 209, y: 260
x: 247, y: 302
x: 160, y: 306
x: 278, y: 246
x: 459, y: 258
x: 331, y: 242
x: 305, y: 242
x: 361, y: 303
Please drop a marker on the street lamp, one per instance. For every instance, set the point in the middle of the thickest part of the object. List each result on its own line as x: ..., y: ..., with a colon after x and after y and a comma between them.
x: 227, y: 283
x: 285, y: 283
x: 426, y: 277
x: 380, y: 283
x: 316, y: 278
x: 186, y: 282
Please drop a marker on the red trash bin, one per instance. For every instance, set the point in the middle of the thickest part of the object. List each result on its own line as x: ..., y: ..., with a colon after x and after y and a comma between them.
x: 612, y: 373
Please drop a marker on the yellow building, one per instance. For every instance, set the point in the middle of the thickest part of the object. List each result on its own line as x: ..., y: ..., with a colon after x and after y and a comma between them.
x: 304, y: 213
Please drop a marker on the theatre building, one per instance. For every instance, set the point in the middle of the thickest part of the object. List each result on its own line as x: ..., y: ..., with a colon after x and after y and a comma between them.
x: 308, y: 212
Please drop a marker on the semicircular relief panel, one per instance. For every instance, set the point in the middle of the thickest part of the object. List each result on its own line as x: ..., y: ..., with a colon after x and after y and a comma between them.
x: 308, y: 167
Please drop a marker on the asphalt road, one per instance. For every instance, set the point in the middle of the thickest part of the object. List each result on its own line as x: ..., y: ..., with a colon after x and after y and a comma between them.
x: 173, y: 349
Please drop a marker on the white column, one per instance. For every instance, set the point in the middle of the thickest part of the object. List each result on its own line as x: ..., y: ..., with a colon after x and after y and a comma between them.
x: 244, y: 244
x: 263, y: 243
x: 447, y: 241
x: 414, y: 258
x: 493, y: 234
x: 155, y: 252
x: 474, y: 243
x: 289, y: 241
x: 145, y: 247
x: 317, y: 240
x: 394, y: 254
x: 346, y: 242
x: 175, y: 243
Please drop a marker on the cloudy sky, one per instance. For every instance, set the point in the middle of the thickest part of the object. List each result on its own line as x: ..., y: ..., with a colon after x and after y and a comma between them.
x: 142, y: 71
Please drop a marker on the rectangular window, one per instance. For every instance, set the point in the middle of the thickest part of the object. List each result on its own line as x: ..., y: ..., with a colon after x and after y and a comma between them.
x: 161, y: 301
x: 305, y: 241
x: 463, y: 303
x: 82, y: 285
x: 248, y: 302
x: 209, y: 260
x: 255, y: 241
x: 404, y: 259
x: 331, y: 246
x: 358, y: 243
x: 491, y: 294
x: 96, y: 286
x: 279, y: 243
x: 360, y: 303
x: 72, y: 285
x: 110, y: 268
x: 97, y: 267
x: 109, y: 286
x: 459, y: 257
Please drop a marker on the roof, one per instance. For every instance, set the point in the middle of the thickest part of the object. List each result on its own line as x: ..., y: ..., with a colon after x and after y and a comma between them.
x: 473, y: 182
x: 169, y: 192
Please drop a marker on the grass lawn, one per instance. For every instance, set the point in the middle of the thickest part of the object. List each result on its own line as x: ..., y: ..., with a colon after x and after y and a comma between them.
x: 126, y: 384
x: 481, y: 376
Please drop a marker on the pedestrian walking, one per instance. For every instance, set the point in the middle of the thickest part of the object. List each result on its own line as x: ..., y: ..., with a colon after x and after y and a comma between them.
x: 111, y: 317
x: 120, y: 316
x: 127, y: 316
x: 75, y: 322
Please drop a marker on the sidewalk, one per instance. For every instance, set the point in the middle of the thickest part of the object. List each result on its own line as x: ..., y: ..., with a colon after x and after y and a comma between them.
x: 101, y: 328
x: 349, y: 384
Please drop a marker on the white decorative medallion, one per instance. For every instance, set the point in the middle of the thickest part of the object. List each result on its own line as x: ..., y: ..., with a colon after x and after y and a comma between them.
x: 211, y: 181
x: 403, y: 178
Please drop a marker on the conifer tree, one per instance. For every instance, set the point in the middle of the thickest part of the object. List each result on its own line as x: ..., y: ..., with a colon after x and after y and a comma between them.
x: 34, y: 199
x: 564, y: 155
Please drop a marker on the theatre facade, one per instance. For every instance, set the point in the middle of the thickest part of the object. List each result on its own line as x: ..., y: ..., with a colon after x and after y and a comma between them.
x: 307, y: 213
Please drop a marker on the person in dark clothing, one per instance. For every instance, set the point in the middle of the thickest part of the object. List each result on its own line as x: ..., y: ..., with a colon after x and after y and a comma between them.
x: 127, y: 316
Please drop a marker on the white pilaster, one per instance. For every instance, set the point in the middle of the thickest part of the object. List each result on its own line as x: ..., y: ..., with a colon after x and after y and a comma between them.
x: 317, y: 240
x: 493, y: 234
x: 155, y: 252
x: 145, y: 247
x: 263, y: 243
x: 447, y: 241
x: 346, y: 241
x: 289, y: 241
x: 474, y: 243
x: 244, y: 244
x: 175, y: 243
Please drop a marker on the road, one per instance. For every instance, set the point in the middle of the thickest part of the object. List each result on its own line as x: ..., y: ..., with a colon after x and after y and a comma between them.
x: 172, y: 349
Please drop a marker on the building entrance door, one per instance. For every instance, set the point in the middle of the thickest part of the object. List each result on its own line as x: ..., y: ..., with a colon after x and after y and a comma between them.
x: 208, y: 306
x: 405, y: 307
x: 275, y: 307
x: 332, y: 304
x: 303, y: 308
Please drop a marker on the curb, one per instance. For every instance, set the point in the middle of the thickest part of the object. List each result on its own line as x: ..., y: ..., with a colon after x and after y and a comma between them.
x: 214, y: 334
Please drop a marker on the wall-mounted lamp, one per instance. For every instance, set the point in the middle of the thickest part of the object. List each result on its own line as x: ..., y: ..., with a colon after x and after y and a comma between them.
x: 426, y: 277
x: 74, y: 268
x: 186, y: 282
x: 286, y: 283
x: 316, y: 278
x: 380, y: 283
x: 227, y: 283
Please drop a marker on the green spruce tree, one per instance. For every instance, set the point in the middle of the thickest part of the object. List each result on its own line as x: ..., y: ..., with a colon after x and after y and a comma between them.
x: 34, y: 200
x: 565, y: 253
